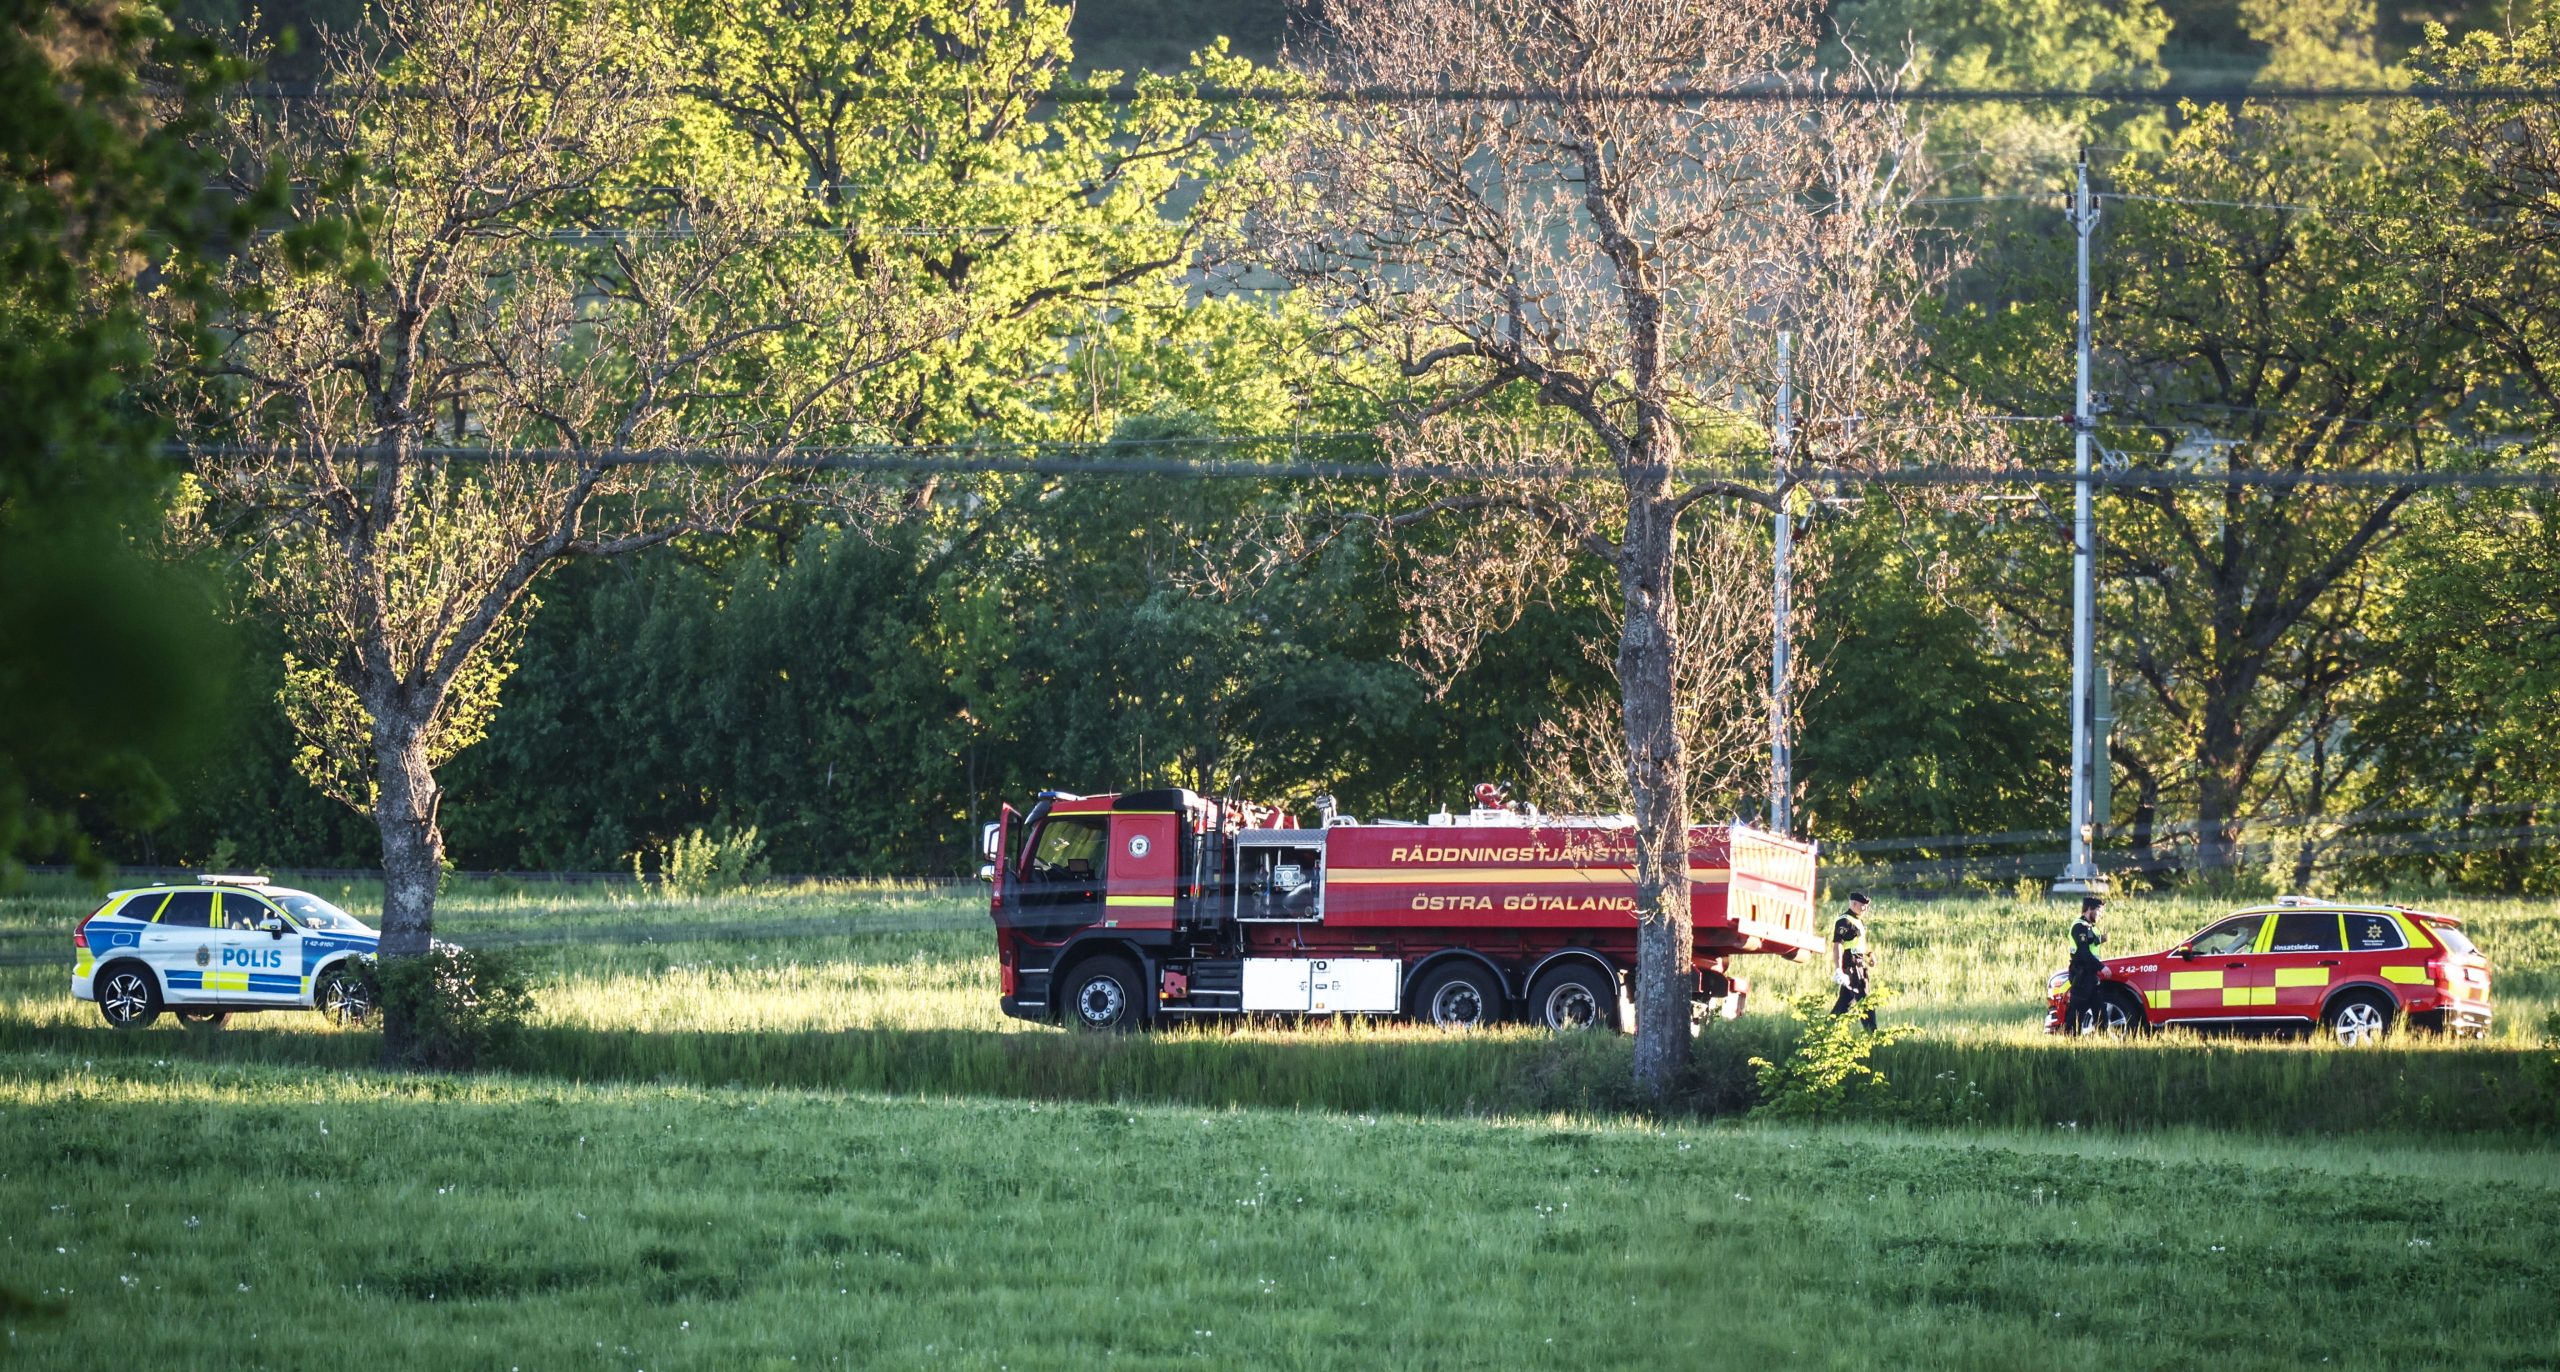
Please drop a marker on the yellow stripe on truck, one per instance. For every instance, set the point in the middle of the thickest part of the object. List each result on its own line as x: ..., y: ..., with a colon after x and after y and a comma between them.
x: 2302, y: 976
x: 1146, y: 902
x: 1444, y: 876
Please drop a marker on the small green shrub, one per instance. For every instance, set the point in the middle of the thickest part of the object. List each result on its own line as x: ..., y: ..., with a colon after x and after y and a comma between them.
x: 1828, y: 1064
x: 702, y: 864
x: 451, y: 1009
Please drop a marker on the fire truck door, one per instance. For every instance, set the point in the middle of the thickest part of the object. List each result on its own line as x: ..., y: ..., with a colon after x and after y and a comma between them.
x: 1146, y: 866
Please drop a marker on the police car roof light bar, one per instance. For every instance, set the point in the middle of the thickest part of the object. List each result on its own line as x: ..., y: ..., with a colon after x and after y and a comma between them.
x: 230, y: 879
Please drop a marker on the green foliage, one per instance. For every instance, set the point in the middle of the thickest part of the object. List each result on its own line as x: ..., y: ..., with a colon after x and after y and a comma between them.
x: 703, y: 864
x: 452, y: 1009
x: 1826, y: 1072
x: 104, y: 684
x: 2020, y: 44
x: 1931, y: 716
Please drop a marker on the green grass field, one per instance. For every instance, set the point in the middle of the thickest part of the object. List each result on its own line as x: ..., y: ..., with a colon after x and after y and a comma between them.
x: 790, y: 1128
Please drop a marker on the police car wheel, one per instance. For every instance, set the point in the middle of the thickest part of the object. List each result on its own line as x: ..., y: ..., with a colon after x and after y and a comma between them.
x: 1461, y: 995
x: 1102, y: 995
x: 128, y: 997
x: 1574, y: 996
x: 341, y: 998
x: 2358, y: 1019
x: 204, y: 1019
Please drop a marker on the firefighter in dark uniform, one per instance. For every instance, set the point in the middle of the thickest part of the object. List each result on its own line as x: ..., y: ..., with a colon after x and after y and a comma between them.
x: 2084, y: 968
x: 1850, y: 961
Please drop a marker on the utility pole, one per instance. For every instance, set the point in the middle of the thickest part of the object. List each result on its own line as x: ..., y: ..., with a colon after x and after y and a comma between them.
x: 1781, y: 599
x: 2080, y: 875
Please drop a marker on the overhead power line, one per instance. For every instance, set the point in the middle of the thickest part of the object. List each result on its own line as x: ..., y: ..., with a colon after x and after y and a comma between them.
x: 1772, y: 93
x: 1115, y: 459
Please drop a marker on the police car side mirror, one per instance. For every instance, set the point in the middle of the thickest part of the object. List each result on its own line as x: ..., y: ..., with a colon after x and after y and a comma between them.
x: 271, y: 925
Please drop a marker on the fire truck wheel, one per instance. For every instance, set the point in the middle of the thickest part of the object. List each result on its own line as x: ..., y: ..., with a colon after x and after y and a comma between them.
x: 1103, y: 995
x: 1459, y: 994
x: 1573, y: 995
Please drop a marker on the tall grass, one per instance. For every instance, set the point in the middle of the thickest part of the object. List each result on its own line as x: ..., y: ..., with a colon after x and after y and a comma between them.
x: 889, y: 988
x: 170, y: 1213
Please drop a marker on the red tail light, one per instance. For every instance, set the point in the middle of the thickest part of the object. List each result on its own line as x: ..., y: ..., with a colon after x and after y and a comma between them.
x: 80, y: 931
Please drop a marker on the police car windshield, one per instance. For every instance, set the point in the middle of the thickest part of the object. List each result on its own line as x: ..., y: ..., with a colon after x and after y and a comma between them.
x: 311, y: 912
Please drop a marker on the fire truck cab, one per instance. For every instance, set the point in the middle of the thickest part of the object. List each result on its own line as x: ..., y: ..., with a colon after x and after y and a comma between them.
x: 1117, y: 911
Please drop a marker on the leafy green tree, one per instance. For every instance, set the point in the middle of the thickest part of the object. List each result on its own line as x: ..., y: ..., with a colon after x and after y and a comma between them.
x: 2251, y: 335
x: 404, y: 436
x: 1932, y: 716
x: 2473, y: 643
x: 946, y: 142
x: 2014, y: 45
x: 111, y: 664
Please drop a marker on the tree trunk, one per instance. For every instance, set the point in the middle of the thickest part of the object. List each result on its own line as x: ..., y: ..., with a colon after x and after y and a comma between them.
x: 1658, y: 781
x: 2220, y: 776
x: 404, y: 809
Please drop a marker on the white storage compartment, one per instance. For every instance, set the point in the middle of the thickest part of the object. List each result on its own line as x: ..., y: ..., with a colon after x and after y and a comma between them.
x: 1276, y: 984
x: 1323, y: 986
x: 1354, y: 986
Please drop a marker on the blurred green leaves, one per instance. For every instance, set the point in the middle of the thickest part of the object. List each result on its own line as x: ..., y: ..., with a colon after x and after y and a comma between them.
x: 110, y: 663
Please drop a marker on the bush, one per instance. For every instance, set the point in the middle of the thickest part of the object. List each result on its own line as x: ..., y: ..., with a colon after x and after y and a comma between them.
x: 1827, y: 1064
x: 451, y: 1009
x: 702, y: 864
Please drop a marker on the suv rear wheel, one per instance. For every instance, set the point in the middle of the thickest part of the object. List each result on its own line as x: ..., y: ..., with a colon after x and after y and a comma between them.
x: 127, y: 996
x: 2358, y: 1018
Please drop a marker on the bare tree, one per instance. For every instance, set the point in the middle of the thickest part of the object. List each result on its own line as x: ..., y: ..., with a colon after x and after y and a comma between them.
x: 436, y: 380
x: 1623, y: 263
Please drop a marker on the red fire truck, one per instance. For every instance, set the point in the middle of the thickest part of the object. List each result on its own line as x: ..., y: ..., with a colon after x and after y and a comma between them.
x: 1116, y: 911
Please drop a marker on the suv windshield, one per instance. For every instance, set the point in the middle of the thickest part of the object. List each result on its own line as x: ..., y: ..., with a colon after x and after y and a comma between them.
x: 311, y: 912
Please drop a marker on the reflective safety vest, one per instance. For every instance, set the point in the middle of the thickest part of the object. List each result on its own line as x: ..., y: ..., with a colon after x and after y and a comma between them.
x: 1856, y: 943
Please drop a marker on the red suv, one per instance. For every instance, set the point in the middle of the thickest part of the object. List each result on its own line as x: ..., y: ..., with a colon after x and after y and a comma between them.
x: 2355, y: 970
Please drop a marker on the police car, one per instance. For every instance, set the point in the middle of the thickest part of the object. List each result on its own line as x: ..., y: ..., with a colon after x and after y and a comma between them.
x: 220, y: 946
x: 2355, y: 971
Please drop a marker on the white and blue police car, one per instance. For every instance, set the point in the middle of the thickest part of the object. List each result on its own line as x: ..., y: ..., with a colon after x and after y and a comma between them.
x: 222, y: 945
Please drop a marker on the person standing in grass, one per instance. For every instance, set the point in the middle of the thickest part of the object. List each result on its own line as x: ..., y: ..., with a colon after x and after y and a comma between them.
x: 2084, y: 968
x: 1850, y: 962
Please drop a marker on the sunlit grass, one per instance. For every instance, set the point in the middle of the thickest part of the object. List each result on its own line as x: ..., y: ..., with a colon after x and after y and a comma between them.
x: 284, y: 1217
x: 885, y: 987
